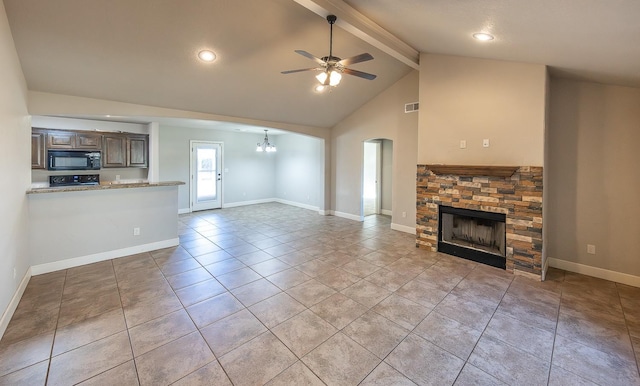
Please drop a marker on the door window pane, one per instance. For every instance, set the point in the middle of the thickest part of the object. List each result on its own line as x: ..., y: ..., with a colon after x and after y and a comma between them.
x: 206, y: 174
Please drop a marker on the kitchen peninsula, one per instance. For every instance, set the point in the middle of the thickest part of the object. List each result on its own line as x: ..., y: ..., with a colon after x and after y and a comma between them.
x: 76, y: 225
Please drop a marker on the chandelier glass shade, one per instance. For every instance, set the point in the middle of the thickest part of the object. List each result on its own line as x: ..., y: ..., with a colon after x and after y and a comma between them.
x: 265, y: 145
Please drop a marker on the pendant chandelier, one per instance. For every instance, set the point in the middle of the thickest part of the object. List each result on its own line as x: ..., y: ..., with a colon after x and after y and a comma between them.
x: 265, y: 145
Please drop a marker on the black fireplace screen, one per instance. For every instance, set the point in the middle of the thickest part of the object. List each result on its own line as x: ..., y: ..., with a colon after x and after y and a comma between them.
x: 472, y: 234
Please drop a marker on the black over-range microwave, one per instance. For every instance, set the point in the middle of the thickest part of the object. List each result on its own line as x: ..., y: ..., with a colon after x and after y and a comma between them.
x: 73, y: 160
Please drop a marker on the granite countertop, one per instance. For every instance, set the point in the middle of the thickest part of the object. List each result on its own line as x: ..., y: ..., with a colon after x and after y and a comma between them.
x: 78, y: 188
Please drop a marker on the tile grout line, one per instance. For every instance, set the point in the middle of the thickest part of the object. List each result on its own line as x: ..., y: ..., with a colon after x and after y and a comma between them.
x: 55, y: 331
x: 126, y: 324
x: 624, y: 314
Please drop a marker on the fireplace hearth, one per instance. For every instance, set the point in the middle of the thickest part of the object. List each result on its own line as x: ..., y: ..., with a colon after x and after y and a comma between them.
x: 472, y: 234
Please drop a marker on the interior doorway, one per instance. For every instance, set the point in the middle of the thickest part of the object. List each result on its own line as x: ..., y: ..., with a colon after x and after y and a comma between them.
x: 205, y: 185
x: 371, y: 178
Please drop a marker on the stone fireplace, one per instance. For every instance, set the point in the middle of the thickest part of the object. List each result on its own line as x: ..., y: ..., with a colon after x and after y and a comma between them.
x: 513, y: 192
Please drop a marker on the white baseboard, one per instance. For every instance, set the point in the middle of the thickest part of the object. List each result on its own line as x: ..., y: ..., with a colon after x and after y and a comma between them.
x: 386, y: 212
x: 82, y: 260
x: 403, y: 228
x: 250, y: 202
x: 601, y: 273
x: 264, y: 201
x: 298, y: 204
x: 545, y: 268
x: 327, y: 212
x: 13, y: 304
x: 348, y: 216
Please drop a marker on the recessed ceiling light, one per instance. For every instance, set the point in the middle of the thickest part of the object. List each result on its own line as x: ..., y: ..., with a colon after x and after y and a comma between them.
x: 482, y: 36
x: 207, y: 56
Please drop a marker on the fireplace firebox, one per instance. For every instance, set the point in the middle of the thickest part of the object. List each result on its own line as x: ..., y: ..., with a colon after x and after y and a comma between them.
x: 473, y: 235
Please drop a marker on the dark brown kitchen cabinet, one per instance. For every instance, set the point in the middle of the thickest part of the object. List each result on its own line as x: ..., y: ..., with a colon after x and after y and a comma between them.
x: 59, y: 139
x: 119, y: 150
x: 138, y: 151
x: 89, y: 141
x: 125, y: 150
x: 38, y: 155
x: 114, y: 151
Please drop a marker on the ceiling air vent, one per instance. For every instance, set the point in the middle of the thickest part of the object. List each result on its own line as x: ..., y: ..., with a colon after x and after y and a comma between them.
x: 411, y: 107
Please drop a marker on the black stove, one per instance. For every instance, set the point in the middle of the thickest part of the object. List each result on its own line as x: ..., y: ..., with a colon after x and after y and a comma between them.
x: 70, y: 180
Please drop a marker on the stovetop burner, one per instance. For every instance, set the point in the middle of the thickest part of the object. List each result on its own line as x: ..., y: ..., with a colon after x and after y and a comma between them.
x: 70, y: 180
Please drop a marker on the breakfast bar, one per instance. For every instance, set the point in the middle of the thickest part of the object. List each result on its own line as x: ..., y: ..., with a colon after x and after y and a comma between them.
x: 76, y: 225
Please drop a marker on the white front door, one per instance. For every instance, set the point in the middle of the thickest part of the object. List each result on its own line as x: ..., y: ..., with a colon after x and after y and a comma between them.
x: 206, y: 175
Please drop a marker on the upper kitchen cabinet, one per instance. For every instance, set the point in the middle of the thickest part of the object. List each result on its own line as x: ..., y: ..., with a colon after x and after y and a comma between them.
x: 125, y: 150
x: 38, y: 154
x: 88, y: 141
x: 58, y: 139
x: 138, y: 151
x: 114, y: 152
x: 119, y: 150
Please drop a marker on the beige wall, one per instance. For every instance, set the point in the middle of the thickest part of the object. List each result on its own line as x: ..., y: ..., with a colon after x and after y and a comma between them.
x: 382, y: 117
x: 594, y: 181
x: 15, y: 129
x: 474, y: 99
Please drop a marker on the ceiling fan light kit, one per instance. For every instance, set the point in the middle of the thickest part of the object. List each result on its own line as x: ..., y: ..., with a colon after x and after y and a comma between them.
x: 332, y: 67
x: 334, y: 78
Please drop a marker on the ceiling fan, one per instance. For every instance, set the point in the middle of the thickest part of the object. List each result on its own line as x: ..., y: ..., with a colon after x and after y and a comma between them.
x: 332, y: 67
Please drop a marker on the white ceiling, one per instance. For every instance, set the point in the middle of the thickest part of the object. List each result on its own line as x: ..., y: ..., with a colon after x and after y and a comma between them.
x: 144, y: 51
x: 595, y: 40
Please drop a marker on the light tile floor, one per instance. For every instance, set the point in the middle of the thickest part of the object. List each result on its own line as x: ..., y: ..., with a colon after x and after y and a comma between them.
x: 278, y: 295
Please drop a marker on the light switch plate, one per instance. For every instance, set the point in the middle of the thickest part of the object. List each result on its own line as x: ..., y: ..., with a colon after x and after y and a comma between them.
x: 463, y: 144
x: 485, y: 143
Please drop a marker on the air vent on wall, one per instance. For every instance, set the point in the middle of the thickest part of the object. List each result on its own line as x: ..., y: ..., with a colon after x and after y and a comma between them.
x: 411, y: 107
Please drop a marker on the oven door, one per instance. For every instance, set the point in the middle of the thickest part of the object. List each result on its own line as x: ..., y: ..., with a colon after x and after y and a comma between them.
x: 73, y: 160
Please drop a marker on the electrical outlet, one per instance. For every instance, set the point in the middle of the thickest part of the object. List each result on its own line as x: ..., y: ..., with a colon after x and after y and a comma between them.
x: 463, y: 144
x: 591, y: 249
x: 117, y: 177
x: 136, y: 231
x: 15, y: 272
x: 485, y: 143
x: 404, y: 214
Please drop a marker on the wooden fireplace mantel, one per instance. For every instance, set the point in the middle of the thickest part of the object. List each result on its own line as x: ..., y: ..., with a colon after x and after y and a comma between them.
x: 473, y: 170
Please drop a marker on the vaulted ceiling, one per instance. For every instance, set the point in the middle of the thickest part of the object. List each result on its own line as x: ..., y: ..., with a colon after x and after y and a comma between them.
x: 144, y: 51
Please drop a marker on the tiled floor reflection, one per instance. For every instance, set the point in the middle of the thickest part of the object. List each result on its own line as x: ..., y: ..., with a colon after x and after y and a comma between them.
x: 278, y: 295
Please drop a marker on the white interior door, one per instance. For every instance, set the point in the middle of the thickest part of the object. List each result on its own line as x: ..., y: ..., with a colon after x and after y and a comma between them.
x: 371, y: 178
x: 206, y: 175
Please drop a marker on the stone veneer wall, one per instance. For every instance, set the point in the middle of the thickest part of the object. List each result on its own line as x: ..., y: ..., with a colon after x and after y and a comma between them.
x: 518, y: 196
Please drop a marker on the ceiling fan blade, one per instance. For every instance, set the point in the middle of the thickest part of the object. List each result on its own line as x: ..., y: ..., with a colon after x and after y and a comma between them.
x: 308, y: 55
x: 300, y: 70
x: 359, y: 74
x: 356, y: 59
